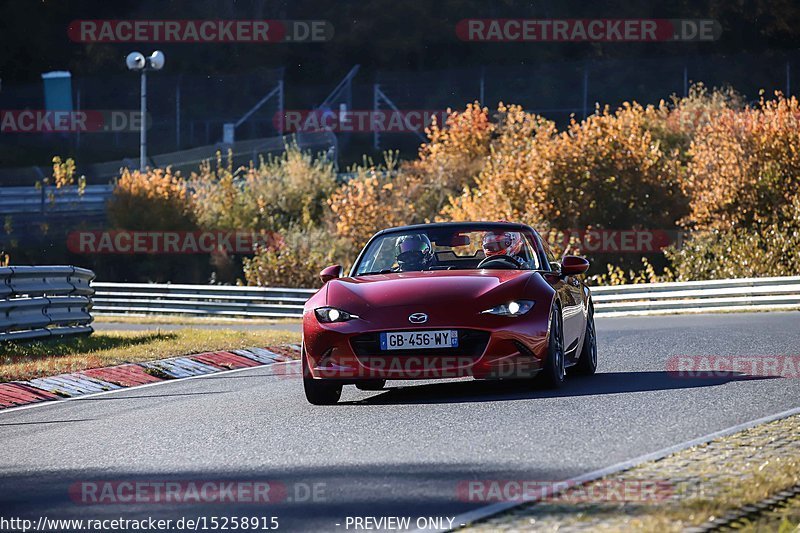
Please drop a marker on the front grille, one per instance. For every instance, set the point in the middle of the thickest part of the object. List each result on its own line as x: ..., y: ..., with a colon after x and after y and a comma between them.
x: 471, y: 343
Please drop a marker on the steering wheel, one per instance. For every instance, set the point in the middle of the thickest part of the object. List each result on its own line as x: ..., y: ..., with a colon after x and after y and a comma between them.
x: 502, y: 262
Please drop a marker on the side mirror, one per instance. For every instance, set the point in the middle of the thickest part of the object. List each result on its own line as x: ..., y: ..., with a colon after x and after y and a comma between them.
x: 329, y: 273
x: 572, y: 265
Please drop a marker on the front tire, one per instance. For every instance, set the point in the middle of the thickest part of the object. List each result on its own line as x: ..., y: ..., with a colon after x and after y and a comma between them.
x: 319, y: 391
x: 551, y: 376
x: 587, y: 361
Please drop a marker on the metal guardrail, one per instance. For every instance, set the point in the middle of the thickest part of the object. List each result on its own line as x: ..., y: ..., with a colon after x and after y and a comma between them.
x: 199, y: 300
x: 744, y: 294
x: 49, y: 199
x: 34, y: 214
x: 260, y: 302
x: 44, y: 301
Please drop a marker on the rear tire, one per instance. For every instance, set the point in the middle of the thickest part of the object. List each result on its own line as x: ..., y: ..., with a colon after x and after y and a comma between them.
x: 587, y: 361
x: 319, y: 391
x: 371, y: 385
x: 551, y: 376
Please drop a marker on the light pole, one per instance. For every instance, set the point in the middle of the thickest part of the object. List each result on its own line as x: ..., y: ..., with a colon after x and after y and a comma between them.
x: 137, y: 62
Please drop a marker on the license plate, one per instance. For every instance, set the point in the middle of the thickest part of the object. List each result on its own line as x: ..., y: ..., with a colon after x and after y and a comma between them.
x: 414, y: 340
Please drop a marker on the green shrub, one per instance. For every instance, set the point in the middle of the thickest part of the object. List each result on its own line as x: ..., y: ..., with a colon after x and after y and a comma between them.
x: 771, y: 249
x: 292, y: 188
x: 297, y: 261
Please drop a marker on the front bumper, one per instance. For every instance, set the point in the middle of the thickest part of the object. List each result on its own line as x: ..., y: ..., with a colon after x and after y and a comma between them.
x: 350, y: 352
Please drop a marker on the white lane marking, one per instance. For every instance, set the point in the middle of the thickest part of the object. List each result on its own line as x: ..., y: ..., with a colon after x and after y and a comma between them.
x: 487, y: 511
x: 165, y: 382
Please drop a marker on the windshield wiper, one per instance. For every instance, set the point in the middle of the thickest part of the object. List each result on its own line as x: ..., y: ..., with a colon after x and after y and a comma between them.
x: 384, y: 271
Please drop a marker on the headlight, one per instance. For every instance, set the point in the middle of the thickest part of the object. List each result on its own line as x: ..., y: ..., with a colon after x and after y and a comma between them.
x: 512, y: 308
x: 331, y: 314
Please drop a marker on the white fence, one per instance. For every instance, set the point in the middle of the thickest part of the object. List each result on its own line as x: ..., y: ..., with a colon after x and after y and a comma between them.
x: 43, y: 301
x: 259, y: 302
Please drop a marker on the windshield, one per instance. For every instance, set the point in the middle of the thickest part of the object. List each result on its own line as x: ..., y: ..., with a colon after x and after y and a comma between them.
x: 447, y: 249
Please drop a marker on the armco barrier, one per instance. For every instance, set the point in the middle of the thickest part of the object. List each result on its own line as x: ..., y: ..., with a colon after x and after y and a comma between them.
x: 744, y: 294
x: 199, y: 300
x: 42, y: 301
x: 259, y: 302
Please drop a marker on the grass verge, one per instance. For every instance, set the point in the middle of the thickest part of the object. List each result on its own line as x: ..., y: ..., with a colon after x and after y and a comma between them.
x: 784, y: 519
x: 32, y: 359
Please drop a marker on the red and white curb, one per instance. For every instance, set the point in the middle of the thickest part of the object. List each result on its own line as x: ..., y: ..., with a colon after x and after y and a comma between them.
x: 12, y: 394
x: 180, y: 367
x: 95, y: 380
x: 73, y: 384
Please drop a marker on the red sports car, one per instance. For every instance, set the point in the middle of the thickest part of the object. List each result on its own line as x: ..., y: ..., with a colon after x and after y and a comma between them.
x: 481, y: 299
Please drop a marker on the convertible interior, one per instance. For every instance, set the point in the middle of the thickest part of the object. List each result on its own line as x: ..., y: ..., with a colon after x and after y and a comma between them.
x: 468, y: 257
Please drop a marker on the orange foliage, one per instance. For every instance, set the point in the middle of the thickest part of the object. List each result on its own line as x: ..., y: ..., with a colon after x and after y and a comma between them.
x: 606, y: 171
x: 515, y: 177
x: 154, y: 200
x: 705, y: 161
x: 744, y: 165
x: 384, y: 196
x: 367, y: 203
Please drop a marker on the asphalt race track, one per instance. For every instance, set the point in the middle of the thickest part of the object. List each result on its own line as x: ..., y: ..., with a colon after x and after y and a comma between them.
x: 400, y: 452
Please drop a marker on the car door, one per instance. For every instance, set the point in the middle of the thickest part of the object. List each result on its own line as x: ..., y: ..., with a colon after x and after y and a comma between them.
x: 573, y: 313
x: 569, y: 289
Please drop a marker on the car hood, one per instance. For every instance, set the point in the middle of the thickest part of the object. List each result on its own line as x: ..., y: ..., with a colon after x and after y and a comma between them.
x: 462, y: 289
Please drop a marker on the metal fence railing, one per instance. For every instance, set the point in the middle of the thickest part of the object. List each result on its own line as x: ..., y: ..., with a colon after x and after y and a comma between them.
x: 259, y: 302
x: 199, y: 300
x: 744, y: 294
x: 33, y: 214
x: 44, y: 301
x: 54, y: 200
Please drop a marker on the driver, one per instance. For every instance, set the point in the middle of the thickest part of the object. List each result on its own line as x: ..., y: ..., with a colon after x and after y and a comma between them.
x: 507, y: 243
x: 413, y: 252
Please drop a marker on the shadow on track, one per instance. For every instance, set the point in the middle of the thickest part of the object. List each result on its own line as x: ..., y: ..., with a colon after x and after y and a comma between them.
x: 305, y: 498
x: 508, y: 390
